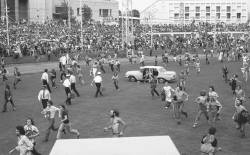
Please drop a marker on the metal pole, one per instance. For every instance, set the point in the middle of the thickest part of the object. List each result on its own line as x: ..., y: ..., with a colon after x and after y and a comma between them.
x: 69, y: 22
x: 7, y: 23
x: 122, y: 30
x: 81, y: 23
x: 127, y: 22
x: 132, y: 20
x: 151, y: 23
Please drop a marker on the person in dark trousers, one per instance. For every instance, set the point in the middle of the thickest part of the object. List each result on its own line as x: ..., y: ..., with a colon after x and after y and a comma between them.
x: 111, y: 64
x: 53, y: 78
x: 233, y: 82
x: 102, y: 67
x: 45, y: 79
x: 156, y: 61
x: 65, y: 123
x: 153, y: 84
x: 207, y: 60
x: 63, y: 74
x: 67, y: 86
x: 115, y: 78
x: 8, y: 98
x: 150, y: 52
x: 225, y: 73
x: 49, y: 55
x: 98, y: 82
x: 72, y: 80
x: 17, y: 77
x: 44, y: 96
x: 118, y: 65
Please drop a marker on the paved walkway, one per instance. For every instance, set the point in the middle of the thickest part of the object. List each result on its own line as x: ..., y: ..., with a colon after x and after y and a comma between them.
x: 39, y: 67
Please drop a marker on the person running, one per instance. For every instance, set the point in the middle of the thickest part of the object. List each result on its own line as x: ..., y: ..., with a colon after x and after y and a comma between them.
x: 4, y: 73
x: 45, y: 79
x: 65, y: 123
x: 225, y: 73
x: 186, y: 65
x: 233, y: 83
x: 8, y: 98
x: 182, y: 80
x: 179, y: 103
x: 72, y: 80
x: 156, y: 61
x: 111, y: 65
x: 79, y: 74
x: 32, y: 132
x: 63, y: 74
x: 101, y: 66
x: 117, y: 125
x: 203, y: 108
x: 115, y: 79
x: 53, y: 78
x: 24, y: 145
x: 50, y: 113
x: 168, y: 95
x: 44, y: 96
x: 98, y: 82
x: 240, y: 94
x: 209, y: 143
x: 67, y: 86
x: 17, y: 77
x: 118, y: 65
x: 214, y: 108
x: 197, y: 66
x: 240, y: 117
x: 153, y: 84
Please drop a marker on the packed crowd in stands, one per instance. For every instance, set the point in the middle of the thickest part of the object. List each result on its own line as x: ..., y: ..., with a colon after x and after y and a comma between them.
x: 54, y: 37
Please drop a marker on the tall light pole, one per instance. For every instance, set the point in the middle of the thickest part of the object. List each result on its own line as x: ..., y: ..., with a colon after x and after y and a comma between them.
x: 69, y: 22
x: 127, y: 22
x: 7, y: 23
x: 122, y: 29
x: 81, y: 24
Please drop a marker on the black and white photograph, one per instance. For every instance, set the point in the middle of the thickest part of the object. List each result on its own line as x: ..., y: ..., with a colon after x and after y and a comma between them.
x: 124, y: 77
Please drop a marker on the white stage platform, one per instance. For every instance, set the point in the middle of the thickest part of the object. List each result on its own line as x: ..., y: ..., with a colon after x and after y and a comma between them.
x: 155, y: 145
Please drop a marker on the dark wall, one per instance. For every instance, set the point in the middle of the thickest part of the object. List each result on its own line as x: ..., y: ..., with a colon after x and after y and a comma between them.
x: 11, y: 6
x: 23, y: 9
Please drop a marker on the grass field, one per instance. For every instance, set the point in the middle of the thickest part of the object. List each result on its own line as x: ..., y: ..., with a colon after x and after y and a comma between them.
x: 145, y: 116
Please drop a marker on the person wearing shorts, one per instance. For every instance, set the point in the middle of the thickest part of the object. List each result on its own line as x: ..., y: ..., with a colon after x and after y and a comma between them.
x: 65, y: 123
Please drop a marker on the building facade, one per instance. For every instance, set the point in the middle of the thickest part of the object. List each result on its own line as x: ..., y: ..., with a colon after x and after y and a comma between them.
x: 29, y: 10
x: 187, y: 11
x: 102, y: 10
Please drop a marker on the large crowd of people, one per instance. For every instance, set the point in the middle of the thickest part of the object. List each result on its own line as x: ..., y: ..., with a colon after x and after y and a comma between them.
x: 33, y: 39
x: 52, y: 37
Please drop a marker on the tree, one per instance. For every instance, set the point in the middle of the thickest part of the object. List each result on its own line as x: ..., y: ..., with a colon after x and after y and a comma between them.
x: 62, y: 11
x: 86, y: 13
x: 135, y: 13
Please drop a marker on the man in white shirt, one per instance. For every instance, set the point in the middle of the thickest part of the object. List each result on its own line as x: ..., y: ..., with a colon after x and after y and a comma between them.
x: 45, y: 79
x: 50, y: 113
x: 142, y: 60
x: 168, y: 93
x: 98, y: 82
x: 44, y: 96
x: 72, y: 80
x: 67, y: 86
x: 62, y: 61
